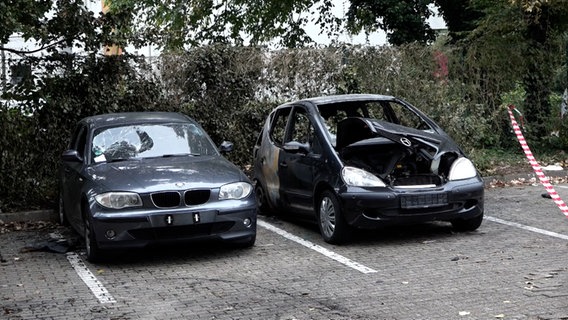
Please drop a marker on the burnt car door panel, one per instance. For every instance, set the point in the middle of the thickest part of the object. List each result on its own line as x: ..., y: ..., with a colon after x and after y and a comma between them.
x: 299, y: 156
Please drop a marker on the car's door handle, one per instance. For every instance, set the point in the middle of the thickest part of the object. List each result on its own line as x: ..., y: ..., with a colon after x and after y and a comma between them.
x: 283, y: 164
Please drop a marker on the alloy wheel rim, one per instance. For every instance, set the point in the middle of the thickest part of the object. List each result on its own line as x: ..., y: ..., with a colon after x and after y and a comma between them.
x: 327, y: 217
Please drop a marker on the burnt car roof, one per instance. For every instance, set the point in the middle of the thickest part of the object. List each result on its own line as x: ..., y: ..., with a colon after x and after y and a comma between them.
x: 111, y: 119
x: 345, y: 98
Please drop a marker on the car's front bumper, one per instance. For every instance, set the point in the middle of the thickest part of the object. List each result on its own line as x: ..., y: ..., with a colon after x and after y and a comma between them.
x: 388, y: 206
x: 138, y: 229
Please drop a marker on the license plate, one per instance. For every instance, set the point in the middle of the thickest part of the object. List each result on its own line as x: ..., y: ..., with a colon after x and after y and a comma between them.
x: 424, y: 200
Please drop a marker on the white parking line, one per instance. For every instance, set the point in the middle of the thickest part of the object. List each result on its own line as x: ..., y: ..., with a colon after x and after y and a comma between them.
x: 528, y: 228
x: 328, y: 253
x: 89, y: 279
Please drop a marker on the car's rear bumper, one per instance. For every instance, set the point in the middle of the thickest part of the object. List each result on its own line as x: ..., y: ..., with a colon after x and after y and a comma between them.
x: 174, y: 226
x: 371, y: 209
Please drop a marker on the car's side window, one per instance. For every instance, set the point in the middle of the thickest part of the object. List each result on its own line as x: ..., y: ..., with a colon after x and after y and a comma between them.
x: 81, y: 142
x: 302, y: 128
x: 303, y: 131
x: 278, y: 130
x: 75, y: 137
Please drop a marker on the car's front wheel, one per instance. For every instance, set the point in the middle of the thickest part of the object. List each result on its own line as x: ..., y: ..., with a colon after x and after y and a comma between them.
x: 93, y: 251
x: 467, y: 224
x: 331, y: 222
x: 261, y: 200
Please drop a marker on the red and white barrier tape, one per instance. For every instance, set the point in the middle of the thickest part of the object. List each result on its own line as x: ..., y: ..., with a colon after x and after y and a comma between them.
x: 536, y: 167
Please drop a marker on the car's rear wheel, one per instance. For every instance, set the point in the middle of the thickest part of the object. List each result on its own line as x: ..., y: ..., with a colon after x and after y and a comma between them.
x: 331, y: 222
x: 93, y: 251
x: 61, y: 210
x: 467, y: 224
x: 261, y: 200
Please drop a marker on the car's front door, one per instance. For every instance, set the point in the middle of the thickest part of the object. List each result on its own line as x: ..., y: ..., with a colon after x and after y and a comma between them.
x: 299, y: 157
x: 72, y: 178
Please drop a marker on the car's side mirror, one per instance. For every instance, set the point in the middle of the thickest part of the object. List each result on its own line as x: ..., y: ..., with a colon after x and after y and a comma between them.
x: 71, y: 156
x: 296, y: 147
x: 226, y: 146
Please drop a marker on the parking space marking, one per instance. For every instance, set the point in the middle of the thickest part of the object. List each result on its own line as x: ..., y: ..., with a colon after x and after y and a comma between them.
x: 89, y: 279
x: 528, y: 228
x: 326, y: 252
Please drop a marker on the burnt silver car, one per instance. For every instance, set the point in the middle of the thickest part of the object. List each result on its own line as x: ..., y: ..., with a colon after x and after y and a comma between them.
x: 363, y: 161
x: 133, y: 179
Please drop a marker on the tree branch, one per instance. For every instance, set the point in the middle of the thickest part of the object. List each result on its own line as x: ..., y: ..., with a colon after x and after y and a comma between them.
x: 22, y: 52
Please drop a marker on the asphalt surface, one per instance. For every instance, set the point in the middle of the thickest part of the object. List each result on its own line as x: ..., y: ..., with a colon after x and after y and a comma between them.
x: 515, y: 266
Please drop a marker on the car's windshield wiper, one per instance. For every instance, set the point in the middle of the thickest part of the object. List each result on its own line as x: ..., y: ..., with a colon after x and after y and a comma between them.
x: 120, y: 159
x: 180, y: 155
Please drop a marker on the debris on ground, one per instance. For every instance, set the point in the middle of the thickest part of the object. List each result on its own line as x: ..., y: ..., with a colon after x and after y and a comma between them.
x: 497, y: 183
x: 59, y: 239
x: 56, y: 243
x: 6, y: 227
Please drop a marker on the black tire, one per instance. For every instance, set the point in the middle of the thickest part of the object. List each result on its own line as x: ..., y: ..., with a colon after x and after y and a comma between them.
x: 467, y: 224
x: 244, y: 244
x: 331, y: 222
x: 61, y: 210
x: 261, y: 200
x: 94, y: 254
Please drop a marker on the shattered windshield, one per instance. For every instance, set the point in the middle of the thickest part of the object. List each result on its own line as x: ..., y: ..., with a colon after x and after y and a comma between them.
x: 149, y: 141
x: 384, y: 110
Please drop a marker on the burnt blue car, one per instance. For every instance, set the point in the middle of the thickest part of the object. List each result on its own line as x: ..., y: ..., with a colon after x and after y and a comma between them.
x: 134, y: 179
x: 363, y: 161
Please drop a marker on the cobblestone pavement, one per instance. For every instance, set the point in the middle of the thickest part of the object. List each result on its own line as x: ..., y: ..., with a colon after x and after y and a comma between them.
x: 501, y: 271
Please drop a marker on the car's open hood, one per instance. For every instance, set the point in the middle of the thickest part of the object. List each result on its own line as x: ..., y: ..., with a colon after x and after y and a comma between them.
x: 176, y: 173
x: 357, y: 131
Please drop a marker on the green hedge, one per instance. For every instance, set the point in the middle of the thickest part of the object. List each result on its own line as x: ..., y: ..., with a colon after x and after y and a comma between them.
x: 230, y: 90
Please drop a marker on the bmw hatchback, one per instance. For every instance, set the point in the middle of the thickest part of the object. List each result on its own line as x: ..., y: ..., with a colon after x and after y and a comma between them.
x: 133, y: 179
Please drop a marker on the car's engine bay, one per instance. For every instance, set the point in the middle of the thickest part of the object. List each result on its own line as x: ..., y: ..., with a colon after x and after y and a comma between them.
x: 401, y: 160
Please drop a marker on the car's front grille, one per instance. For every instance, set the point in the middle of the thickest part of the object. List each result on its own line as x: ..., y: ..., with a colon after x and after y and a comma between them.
x: 182, y: 232
x: 195, y: 197
x: 172, y: 199
x: 169, y: 199
x: 418, y: 180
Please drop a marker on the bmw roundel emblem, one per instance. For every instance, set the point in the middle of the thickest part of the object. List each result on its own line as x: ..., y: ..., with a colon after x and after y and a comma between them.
x: 405, y: 141
x: 179, y: 184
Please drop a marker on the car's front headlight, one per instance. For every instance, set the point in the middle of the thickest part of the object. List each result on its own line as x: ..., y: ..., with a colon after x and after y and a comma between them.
x: 360, y: 178
x: 461, y: 169
x: 236, y: 190
x: 119, y: 200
